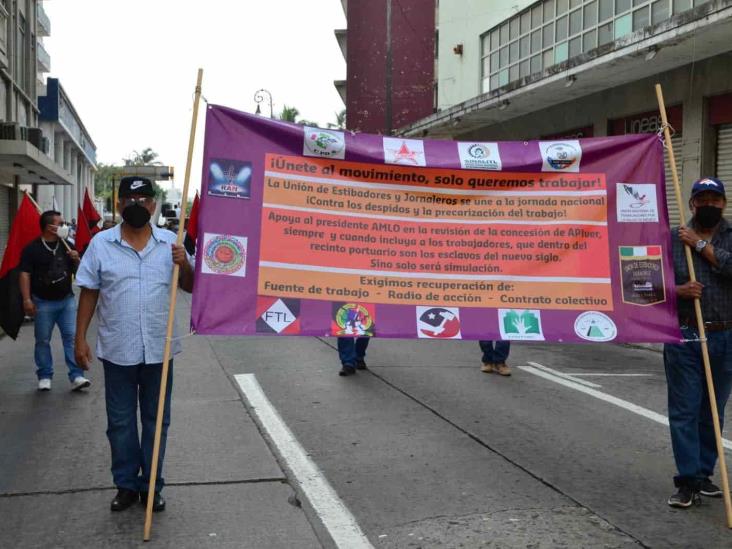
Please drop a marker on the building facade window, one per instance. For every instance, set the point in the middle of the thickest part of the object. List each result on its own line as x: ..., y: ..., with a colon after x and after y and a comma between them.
x: 553, y: 31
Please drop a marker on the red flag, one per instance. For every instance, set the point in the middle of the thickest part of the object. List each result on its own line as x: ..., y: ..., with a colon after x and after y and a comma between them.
x: 90, y: 212
x: 83, y: 234
x: 192, y: 228
x: 25, y: 229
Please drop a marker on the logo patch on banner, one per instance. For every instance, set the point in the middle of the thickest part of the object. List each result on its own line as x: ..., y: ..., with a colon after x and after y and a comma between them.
x: 479, y: 156
x: 325, y: 143
x: 438, y: 322
x: 224, y: 254
x: 230, y: 178
x: 278, y: 315
x: 560, y: 156
x: 641, y: 268
x: 353, y: 319
x: 520, y: 324
x: 636, y: 203
x: 595, y: 326
x: 408, y: 152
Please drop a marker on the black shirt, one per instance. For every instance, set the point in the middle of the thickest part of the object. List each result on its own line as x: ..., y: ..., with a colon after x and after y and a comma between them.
x: 50, y: 272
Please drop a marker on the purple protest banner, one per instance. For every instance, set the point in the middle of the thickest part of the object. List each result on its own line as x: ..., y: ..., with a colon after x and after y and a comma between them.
x: 305, y: 231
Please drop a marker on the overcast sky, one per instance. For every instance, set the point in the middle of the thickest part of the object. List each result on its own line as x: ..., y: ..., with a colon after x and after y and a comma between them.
x: 129, y: 67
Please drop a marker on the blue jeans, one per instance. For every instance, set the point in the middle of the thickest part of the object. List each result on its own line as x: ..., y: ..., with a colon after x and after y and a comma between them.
x: 48, y: 314
x: 132, y: 456
x: 497, y: 354
x: 351, y: 349
x: 689, y: 413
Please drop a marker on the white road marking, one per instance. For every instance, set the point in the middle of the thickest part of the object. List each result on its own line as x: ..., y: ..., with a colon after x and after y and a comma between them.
x: 331, y: 510
x: 574, y: 384
x: 583, y: 374
x: 564, y: 376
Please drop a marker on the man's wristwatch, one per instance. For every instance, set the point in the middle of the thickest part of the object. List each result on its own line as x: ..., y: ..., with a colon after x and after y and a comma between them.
x: 700, y: 245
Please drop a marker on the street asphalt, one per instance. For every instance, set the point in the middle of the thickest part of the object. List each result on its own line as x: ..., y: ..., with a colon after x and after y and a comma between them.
x: 420, y: 451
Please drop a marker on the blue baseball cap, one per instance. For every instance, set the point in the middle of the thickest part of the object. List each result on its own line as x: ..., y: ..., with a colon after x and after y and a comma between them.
x: 707, y: 184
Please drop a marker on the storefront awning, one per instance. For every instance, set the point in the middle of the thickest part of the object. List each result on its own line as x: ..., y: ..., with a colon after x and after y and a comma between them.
x: 20, y: 158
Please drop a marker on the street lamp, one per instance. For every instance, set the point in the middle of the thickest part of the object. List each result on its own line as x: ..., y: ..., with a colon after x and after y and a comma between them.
x: 258, y: 97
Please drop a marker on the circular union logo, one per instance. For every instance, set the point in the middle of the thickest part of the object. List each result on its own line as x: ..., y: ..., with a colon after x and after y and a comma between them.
x: 561, y: 156
x: 324, y: 143
x: 595, y: 326
x: 478, y: 151
x: 224, y: 254
x: 354, y: 318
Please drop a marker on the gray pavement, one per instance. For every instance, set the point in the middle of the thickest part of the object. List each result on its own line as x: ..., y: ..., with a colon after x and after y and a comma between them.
x: 423, y: 449
x: 225, y: 487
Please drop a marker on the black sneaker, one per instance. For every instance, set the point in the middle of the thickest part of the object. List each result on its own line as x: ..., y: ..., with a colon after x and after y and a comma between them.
x: 685, y: 497
x: 709, y: 489
x: 347, y: 370
x: 123, y: 499
x: 158, y: 501
x: 361, y: 364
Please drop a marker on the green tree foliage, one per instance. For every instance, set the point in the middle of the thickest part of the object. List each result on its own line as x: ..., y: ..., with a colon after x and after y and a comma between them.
x: 147, y: 157
x: 289, y: 114
x: 340, y: 122
x: 108, y: 172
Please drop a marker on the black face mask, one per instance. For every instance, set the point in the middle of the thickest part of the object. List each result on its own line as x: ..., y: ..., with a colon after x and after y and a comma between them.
x: 708, y: 216
x: 136, y: 216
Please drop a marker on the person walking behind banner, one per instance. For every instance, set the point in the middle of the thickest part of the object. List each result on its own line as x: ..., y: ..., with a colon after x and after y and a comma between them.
x: 126, y: 274
x: 45, y: 283
x: 692, y: 434
x: 495, y: 355
x: 352, y: 353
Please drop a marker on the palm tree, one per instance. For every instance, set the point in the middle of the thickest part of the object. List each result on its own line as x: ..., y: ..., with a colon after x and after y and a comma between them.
x: 289, y: 114
x: 145, y: 158
x: 340, y: 120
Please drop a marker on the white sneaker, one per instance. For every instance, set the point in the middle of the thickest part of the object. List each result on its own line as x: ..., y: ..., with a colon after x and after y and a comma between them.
x: 44, y: 384
x: 79, y: 383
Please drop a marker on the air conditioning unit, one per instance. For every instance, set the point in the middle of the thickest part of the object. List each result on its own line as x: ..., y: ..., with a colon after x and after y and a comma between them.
x: 9, y: 130
x: 35, y: 137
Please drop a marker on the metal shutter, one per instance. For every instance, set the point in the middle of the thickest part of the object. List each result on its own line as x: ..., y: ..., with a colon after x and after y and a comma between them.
x: 724, y: 153
x: 674, y: 217
x: 4, y: 217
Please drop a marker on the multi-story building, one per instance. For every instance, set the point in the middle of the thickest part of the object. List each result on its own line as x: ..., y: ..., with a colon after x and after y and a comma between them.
x: 41, y: 152
x: 529, y: 69
x: 70, y: 146
x: 389, y: 47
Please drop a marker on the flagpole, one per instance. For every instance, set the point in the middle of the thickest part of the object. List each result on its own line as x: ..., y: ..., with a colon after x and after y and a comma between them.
x: 699, y: 318
x: 171, y: 319
x: 68, y: 248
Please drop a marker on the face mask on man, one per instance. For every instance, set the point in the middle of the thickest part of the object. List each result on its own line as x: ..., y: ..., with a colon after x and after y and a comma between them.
x: 708, y: 216
x: 136, y: 216
x: 62, y: 231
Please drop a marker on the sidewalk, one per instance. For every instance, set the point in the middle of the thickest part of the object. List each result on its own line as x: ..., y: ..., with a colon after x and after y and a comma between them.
x: 224, y: 486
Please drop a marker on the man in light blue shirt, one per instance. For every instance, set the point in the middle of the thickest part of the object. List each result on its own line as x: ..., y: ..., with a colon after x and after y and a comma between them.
x: 125, y: 274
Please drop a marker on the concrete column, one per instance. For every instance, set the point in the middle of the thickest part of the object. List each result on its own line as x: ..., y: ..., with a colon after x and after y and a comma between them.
x: 691, y: 151
x: 58, y: 192
x: 68, y: 208
x: 75, y: 176
x: 58, y: 149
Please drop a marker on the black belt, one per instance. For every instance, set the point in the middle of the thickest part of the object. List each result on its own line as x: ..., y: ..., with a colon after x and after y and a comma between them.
x: 711, y: 326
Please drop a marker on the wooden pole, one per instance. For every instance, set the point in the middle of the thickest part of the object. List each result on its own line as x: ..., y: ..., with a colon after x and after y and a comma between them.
x: 171, y: 320
x: 699, y: 318
x: 66, y: 244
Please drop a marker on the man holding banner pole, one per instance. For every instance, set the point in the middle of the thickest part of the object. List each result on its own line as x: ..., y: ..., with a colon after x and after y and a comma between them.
x: 127, y: 272
x: 690, y: 419
x: 352, y: 354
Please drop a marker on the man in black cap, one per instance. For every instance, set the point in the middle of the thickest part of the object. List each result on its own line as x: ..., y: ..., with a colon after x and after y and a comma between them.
x: 709, y: 235
x: 126, y: 274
